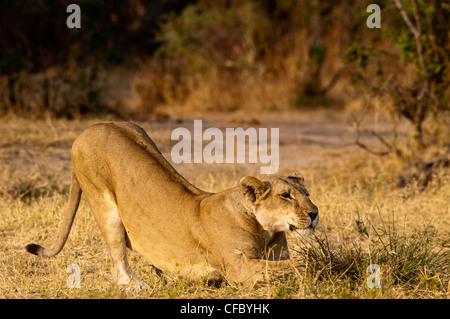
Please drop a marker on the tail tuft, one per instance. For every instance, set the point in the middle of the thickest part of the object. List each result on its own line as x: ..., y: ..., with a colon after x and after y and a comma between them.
x: 35, y: 249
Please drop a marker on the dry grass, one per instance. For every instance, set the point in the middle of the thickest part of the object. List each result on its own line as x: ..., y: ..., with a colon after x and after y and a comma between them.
x: 365, y: 220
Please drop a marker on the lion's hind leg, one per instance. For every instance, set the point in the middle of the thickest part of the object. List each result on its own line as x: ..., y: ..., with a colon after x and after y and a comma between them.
x: 108, y: 219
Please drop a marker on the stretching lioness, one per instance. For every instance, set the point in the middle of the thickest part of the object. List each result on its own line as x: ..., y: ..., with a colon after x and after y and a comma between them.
x: 139, y: 201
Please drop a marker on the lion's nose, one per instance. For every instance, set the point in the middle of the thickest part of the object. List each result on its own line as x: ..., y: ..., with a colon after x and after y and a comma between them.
x: 312, y: 215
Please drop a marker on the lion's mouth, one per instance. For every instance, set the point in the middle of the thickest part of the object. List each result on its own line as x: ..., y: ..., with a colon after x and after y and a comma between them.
x: 296, y: 229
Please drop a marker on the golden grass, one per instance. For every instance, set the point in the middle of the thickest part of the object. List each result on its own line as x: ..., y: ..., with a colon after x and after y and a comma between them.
x: 364, y: 219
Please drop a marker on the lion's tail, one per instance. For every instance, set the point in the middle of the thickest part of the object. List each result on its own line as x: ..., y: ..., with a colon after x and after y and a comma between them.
x: 66, y: 223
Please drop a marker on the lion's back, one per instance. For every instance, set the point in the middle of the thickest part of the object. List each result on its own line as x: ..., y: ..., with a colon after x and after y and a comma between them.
x: 119, y: 151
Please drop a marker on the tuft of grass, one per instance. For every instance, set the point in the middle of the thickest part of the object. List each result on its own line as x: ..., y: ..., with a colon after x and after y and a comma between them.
x: 416, y: 262
x: 413, y: 259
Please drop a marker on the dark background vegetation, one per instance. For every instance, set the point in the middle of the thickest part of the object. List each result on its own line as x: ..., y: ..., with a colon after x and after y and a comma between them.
x: 133, y: 57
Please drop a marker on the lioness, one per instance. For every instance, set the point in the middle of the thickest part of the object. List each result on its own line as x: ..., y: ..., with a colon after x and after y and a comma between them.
x: 139, y: 201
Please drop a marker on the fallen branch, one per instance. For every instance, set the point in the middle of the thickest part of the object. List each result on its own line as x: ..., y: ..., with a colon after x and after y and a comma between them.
x: 375, y: 134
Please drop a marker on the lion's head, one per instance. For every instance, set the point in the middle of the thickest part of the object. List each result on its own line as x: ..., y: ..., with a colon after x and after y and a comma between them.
x: 281, y: 203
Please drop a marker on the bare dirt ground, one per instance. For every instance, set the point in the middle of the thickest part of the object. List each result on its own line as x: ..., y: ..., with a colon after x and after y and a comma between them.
x: 42, y: 148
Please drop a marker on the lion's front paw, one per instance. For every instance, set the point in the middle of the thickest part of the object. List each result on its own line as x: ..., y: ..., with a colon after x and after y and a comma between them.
x: 132, y: 283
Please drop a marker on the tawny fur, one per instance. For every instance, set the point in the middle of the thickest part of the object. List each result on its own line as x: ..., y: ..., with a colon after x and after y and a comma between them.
x: 140, y: 201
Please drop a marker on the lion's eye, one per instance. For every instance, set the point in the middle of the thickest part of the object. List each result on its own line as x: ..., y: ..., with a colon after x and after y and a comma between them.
x: 286, y: 196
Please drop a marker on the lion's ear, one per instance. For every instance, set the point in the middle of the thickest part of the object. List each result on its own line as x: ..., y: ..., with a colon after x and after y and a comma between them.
x: 297, y: 177
x: 252, y: 187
